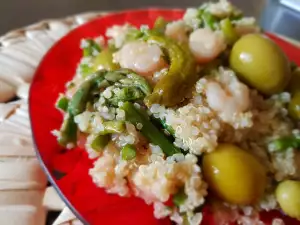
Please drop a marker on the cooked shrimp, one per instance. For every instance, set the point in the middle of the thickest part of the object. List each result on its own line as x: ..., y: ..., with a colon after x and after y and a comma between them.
x: 177, y: 31
x: 230, y: 101
x: 141, y: 57
x: 206, y: 44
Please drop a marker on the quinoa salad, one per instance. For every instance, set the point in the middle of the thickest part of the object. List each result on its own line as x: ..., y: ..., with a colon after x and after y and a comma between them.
x: 202, y: 110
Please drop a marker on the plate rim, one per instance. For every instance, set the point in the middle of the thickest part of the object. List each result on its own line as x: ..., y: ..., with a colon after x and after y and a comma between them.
x: 30, y: 101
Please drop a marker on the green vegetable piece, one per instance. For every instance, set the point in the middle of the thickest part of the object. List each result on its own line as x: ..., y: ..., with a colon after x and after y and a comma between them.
x: 128, y: 152
x: 160, y: 25
x: 140, y: 82
x: 209, y: 20
x: 126, y: 94
x: 68, y: 131
x: 172, y: 88
x: 134, y: 34
x: 179, y: 198
x: 282, y: 144
x: 229, y: 32
x: 105, y: 61
x: 167, y: 127
x: 85, y: 70
x: 112, y: 127
x: 91, y: 48
x: 62, y: 103
x: 99, y: 143
x: 78, y: 102
x: 294, y: 106
x: 136, y: 116
x: 114, y: 76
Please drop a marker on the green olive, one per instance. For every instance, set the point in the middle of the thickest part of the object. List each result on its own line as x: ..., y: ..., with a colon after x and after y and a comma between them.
x: 294, y: 84
x: 288, y: 197
x: 294, y: 106
x: 105, y: 61
x: 261, y: 63
x: 234, y: 175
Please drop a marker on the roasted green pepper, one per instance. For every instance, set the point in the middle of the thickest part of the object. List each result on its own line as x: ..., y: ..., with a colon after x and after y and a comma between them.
x: 105, y: 61
x: 160, y: 25
x: 172, y: 88
x: 229, y: 32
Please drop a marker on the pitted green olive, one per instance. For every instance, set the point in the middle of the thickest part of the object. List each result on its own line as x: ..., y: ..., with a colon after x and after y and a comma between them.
x: 261, y: 63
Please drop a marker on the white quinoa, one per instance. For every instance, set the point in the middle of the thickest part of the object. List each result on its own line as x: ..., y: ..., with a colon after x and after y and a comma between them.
x: 118, y: 34
x: 222, y: 8
x: 110, y: 172
x: 191, y: 18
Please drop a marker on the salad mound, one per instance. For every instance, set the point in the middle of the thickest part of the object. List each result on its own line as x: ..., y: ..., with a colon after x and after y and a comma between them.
x: 202, y: 110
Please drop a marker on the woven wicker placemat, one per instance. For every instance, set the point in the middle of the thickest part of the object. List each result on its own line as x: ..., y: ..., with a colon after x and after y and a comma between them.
x: 24, y: 198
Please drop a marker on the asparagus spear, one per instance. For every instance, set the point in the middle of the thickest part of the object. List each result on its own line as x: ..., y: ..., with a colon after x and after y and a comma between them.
x: 155, y: 136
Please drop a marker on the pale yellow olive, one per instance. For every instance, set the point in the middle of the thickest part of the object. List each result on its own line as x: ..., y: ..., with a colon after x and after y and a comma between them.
x: 234, y: 175
x: 261, y: 63
x: 288, y: 197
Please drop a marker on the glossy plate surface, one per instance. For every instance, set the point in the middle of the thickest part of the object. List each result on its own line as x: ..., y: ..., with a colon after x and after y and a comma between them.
x: 68, y: 170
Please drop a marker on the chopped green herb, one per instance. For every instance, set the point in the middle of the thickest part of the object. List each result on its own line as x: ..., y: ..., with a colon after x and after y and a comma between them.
x: 284, y: 143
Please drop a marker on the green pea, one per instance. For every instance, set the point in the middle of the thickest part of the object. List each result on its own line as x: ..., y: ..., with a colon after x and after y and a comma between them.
x: 128, y: 152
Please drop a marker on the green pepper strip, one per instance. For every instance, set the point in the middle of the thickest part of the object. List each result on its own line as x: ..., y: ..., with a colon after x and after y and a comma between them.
x: 160, y: 25
x: 229, y: 32
x: 105, y: 61
x: 135, y: 116
x: 128, y: 152
x: 172, y: 87
x: 284, y: 143
x: 100, y: 142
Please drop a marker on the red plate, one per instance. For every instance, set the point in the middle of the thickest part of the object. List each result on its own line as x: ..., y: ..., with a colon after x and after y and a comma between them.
x: 68, y: 170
